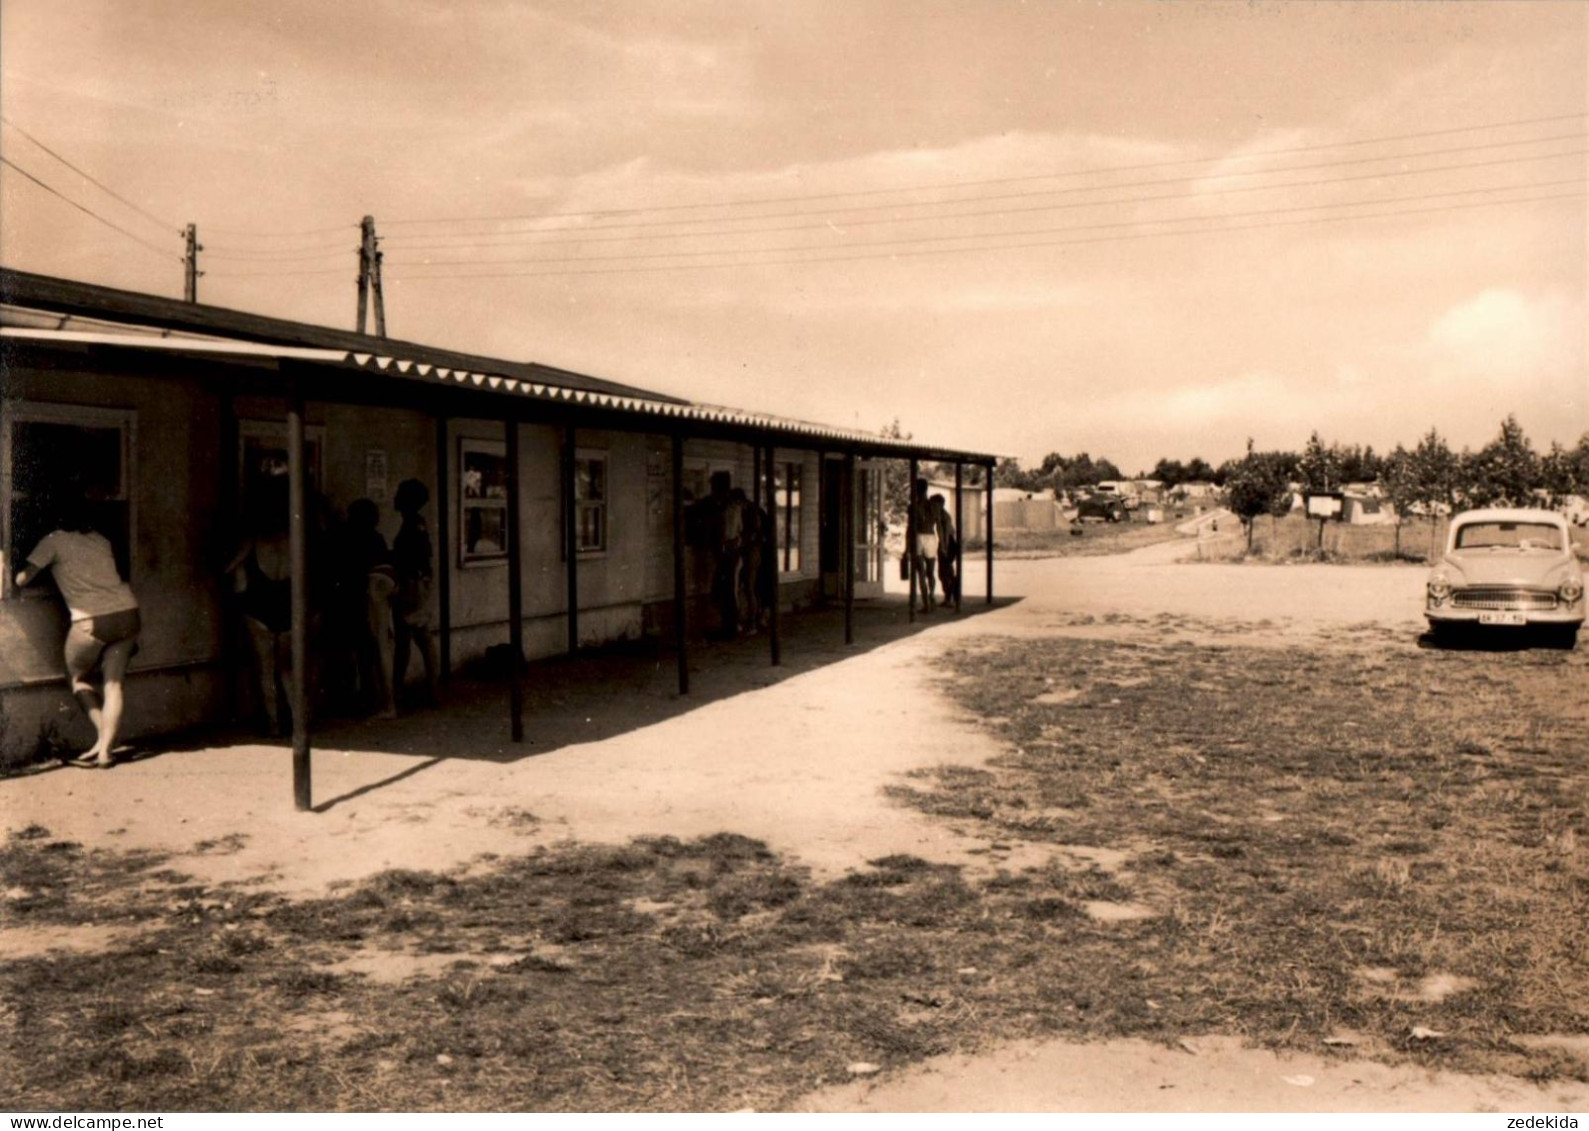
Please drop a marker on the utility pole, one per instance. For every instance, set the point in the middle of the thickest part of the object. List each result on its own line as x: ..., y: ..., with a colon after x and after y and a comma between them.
x: 370, y: 257
x: 190, y: 264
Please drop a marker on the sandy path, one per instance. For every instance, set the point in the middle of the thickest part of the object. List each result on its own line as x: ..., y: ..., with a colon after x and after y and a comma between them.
x: 1221, y: 1076
x: 800, y: 764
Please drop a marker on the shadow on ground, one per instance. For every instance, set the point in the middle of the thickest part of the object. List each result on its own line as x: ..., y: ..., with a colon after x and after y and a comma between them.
x: 594, y: 695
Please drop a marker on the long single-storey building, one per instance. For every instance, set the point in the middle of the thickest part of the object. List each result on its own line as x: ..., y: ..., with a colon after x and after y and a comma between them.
x: 559, y: 501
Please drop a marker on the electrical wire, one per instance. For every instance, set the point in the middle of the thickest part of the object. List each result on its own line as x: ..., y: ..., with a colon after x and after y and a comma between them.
x: 994, y: 247
x: 91, y: 179
x: 88, y: 211
x: 1068, y: 190
x: 1258, y: 155
x: 790, y: 248
x: 282, y: 257
x: 827, y: 257
x: 830, y: 224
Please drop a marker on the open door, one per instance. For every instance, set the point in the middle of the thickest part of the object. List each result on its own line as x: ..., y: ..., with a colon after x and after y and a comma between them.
x: 869, y: 529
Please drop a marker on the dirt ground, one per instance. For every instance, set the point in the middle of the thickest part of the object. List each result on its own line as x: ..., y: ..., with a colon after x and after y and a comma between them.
x: 797, y: 757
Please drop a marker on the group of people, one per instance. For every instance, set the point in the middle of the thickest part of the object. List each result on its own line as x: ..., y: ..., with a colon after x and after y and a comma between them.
x: 935, y: 556
x: 734, y: 528
x: 370, y: 606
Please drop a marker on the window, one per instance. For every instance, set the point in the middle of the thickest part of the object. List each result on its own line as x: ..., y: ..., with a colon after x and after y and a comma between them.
x: 262, y: 455
x: 46, y: 449
x: 786, y: 515
x: 590, y: 501
x: 483, y: 507
x: 1506, y: 535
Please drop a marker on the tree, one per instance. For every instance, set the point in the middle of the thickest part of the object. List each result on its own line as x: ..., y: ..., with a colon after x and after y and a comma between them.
x: 1257, y: 484
x: 1434, y: 472
x: 1399, y: 479
x: 1198, y: 470
x: 1170, y: 472
x: 896, y: 479
x: 1008, y: 472
x: 1318, y: 468
x: 1565, y: 471
x: 1505, y: 472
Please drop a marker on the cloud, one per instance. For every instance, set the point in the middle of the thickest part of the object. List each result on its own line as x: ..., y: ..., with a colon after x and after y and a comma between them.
x: 1502, y: 335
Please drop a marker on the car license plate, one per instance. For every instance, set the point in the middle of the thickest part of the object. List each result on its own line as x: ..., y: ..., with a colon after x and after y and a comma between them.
x: 1502, y: 618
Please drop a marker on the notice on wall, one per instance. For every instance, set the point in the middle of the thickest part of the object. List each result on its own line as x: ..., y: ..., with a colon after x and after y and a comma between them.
x: 656, y: 483
x: 375, y: 474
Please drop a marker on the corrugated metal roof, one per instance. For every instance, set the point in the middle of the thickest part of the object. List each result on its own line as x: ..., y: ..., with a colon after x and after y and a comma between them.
x: 499, y: 383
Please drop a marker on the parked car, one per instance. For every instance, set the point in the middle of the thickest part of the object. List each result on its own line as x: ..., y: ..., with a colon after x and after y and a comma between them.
x: 1508, y: 568
x: 1108, y: 508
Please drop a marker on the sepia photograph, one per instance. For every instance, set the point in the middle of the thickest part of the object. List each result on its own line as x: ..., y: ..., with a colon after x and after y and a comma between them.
x: 894, y: 556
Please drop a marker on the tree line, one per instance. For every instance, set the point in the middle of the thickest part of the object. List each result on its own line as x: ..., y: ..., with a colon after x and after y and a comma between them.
x: 1506, y: 471
x: 1429, y: 478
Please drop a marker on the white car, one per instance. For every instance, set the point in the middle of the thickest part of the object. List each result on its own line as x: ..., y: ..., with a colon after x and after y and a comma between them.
x: 1508, y: 568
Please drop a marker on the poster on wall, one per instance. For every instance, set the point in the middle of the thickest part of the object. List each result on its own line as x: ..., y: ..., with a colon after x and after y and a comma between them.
x: 375, y: 475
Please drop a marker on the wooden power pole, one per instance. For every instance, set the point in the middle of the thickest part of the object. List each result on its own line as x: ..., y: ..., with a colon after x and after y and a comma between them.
x: 190, y: 264
x: 370, y: 256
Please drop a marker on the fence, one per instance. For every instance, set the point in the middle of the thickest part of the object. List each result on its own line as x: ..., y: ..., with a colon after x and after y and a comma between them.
x: 1295, y: 536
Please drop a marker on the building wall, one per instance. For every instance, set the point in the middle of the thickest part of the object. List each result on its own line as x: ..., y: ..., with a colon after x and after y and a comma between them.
x: 176, y: 558
x: 182, y: 539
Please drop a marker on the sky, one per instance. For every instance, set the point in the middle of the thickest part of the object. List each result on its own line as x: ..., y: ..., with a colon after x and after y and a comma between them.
x: 1139, y: 230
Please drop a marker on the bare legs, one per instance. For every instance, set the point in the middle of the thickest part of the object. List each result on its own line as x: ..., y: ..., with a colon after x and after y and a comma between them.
x: 926, y: 571
x: 104, y: 706
x: 407, y: 634
x: 273, y: 664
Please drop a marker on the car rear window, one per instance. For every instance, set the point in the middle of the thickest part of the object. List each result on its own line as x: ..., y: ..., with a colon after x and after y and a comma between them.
x: 1523, y: 535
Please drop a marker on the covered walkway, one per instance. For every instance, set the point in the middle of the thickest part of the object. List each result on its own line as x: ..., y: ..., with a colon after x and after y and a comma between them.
x: 290, y: 368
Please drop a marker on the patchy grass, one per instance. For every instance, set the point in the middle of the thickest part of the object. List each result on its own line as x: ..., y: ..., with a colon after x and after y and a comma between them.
x: 1312, y: 815
x: 1327, y: 840
x: 1090, y: 539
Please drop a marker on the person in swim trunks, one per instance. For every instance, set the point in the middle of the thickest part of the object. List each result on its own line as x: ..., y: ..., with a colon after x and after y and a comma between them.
x: 104, y: 621
x: 924, y: 556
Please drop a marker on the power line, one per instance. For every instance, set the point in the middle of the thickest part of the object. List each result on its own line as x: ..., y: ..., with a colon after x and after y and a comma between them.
x: 87, y: 211
x: 997, y: 180
x: 985, y: 235
x: 243, y: 234
x: 831, y: 258
x: 282, y: 256
x: 991, y: 247
x: 90, y: 177
x: 1064, y: 191
x: 824, y: 225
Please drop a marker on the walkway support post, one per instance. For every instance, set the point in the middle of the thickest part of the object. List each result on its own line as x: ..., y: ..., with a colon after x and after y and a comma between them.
x: 847, y: 551
x: 679, y: 612
x: 444, y: 544
x: 772, y: 552
x: 989, y: 473
x: 230, y: 536
x: 515, y: 588
x: 910, y: 535
x: 960, y: 533
x: 571, y: 536
x: 298, y: 554
x: 822, y: 502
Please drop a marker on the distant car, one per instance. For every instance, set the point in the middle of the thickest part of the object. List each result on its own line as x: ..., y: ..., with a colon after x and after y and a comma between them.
x: 1508, y: 568
x: 1108, y: 508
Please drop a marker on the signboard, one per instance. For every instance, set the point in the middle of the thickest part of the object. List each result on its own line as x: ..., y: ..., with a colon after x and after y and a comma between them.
x: 1324, y: 506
